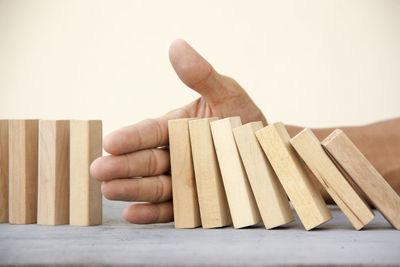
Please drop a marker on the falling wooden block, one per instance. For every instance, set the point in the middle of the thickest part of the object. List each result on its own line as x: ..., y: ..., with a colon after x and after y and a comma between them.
x: 214, y: 209
x: 85, y: 193
x: 305, y: 198
x: 185, y: 203
x: 242, y: 203
x: 270, y: 196
x: 361, y: 171
x: 353, y: 206
x: 3, y: 171
x: 53, y: 177
x: 23, y: 171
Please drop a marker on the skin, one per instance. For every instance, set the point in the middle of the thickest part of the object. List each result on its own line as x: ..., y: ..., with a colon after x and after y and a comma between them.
x: 137, y: 168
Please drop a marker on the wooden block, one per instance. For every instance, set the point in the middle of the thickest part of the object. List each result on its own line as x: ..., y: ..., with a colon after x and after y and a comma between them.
x: 379, y: 192
x: 270, y: 196
x: 23, y: 171
x: 185, y: 202
x: 305, y: 198
x: 353, y: 206
x: 214, y: 209
x: 242, y: 203
x: 53, y: 177
x: 3, y: 171
x: 85, y: 206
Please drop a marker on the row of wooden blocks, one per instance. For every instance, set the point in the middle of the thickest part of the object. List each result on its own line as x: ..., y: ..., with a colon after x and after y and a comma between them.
x: 224, y: 172
x: 44, y: 172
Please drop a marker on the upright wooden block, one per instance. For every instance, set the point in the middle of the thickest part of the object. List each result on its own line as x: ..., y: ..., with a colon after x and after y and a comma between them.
x: 85, y: 193
x: 53, y: 177
x: 185, y: 202
x: 214, y: 209
x: 354, y: 163
x: 303, y: 194
x: 23, y: 171
x: 3, y: 171
x: 242, y: 203
x: 353, y: 206
x: 268, y: 191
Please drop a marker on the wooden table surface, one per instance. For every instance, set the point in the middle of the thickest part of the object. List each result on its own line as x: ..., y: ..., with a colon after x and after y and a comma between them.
x: 117, y: 243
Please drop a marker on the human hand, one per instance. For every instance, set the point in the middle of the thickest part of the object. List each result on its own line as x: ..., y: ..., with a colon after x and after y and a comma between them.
x: 138, y: 169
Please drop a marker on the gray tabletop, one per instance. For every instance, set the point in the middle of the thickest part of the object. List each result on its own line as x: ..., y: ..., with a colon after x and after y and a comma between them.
x: 119, y: 243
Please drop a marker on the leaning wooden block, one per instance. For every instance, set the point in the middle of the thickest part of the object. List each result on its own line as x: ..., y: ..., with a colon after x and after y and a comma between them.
x: 270, y: 196
x: 361, y: 171
x: 185, y: 203
x: 85, y: 193
x: 303, y: 194
x: 53, y: 178
x: 214, y: 209
x: 23, y: 171
x: 353, y: 206
x: 3, y: 171
x: 241, y: 200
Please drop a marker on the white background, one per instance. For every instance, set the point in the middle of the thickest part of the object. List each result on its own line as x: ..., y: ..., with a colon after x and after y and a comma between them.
x: 310, y: 63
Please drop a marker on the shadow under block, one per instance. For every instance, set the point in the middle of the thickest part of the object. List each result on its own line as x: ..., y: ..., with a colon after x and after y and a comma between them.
x: 3, y: 171
x: 271, y: 198
x: 242, y: 203
x: 53, y: 177
x: 23, y: 171
x: 85, y: 206
x: 361, y: 171
x: 305, y: 198
x: 214, y: 209
x: 353, y: 206
x: 185, y: 202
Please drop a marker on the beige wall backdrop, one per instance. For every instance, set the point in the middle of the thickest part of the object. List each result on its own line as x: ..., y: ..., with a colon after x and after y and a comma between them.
x: 314, y: 63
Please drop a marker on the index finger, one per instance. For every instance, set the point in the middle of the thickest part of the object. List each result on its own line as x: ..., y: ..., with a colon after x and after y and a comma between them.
x: 149, y: 133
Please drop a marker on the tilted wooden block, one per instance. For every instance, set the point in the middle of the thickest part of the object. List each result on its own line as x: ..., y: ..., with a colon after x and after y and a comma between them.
x: 353, y: 206
x: 3, y: 171
x: 214, y: 209
x: 354, y: 163
x: 23, y: 171
x: 270, y: 196
x: 53, y: 178
x: 85, y: 193
x: 185, y: 202
x: 305, y: 198
x: 241, y: 200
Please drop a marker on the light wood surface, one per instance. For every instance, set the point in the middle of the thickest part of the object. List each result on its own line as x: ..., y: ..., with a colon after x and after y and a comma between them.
x: 242, y: 204
x: 23, y: 171
x: 353, y: 206
x: 379, y: 192
x: 85, y: 192
x: 305, y: 198
x: 53, y: 177
x: 214, y: 209
x: 3, y: 171
x: 185, y: 202
x: 270, y: 196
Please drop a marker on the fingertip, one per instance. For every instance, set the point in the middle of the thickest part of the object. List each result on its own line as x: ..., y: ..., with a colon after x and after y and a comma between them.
x: 188, y: 64
x: 95, y: 168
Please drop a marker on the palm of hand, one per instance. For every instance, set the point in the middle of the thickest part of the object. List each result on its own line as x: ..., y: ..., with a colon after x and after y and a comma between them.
x: 137, y: 170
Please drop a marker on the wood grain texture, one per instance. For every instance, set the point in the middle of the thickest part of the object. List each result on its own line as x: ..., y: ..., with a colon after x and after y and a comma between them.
x: 185, y: 202
x: 242, y: 204
x: 85, y: 193
x: 3, y: 171
x: 214, y: 209
x: 23, y: 171
x: 353, y: 206
x: 53, y: 177
x: 305, y: 198
x: 363, y: 173
x: 270, y: 196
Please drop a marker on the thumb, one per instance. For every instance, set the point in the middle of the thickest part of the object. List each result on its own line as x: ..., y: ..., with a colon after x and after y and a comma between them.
x: 199, y: 75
